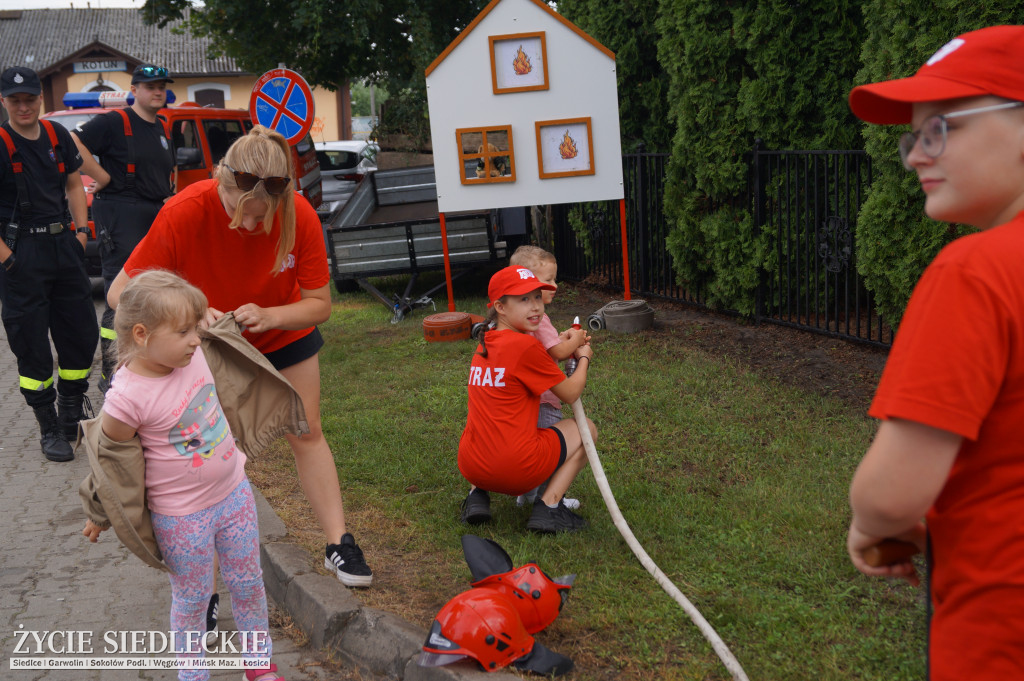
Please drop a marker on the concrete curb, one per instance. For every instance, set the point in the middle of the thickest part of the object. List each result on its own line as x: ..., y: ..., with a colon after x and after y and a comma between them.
x: 334, y: 619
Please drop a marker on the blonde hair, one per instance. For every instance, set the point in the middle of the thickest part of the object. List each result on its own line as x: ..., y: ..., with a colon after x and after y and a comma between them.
x: 530, y: 256
x: 264, y: 153
x: 153, y: 298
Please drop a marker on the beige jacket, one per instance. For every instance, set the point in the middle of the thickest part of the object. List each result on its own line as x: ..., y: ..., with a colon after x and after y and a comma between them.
x: 258, y: 402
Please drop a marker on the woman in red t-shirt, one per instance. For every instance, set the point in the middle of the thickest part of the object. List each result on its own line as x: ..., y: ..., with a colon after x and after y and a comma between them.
x: 501, y: 449
x: 255, y: 249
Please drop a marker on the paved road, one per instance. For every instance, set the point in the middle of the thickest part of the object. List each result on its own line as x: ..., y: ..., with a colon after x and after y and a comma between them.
x: 53, y: 579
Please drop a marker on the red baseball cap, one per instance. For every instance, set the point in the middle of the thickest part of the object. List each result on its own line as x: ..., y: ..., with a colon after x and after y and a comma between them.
x: 513, y: 281
x: 983, y: 62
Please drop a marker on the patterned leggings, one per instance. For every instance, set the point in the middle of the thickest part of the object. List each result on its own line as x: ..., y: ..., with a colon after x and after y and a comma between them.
x: 188, y: 543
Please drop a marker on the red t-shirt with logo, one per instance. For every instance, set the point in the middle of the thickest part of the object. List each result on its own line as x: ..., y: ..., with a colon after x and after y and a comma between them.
x: 958, y: 365
x: 191, y: 237
x: 501, y: 449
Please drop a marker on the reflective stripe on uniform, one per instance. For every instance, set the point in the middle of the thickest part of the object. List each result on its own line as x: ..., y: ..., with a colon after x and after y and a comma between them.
x: 109, y: 334
x: 32, y: 384
x: 72, y: 374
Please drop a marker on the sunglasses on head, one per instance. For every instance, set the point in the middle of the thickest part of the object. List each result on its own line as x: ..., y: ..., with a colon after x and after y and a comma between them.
x: 247, y: 181
x: 151, y: 71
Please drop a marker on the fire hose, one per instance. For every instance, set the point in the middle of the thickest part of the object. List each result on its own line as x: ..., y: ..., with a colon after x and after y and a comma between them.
x: 622, y: 316
x: 728, y: 659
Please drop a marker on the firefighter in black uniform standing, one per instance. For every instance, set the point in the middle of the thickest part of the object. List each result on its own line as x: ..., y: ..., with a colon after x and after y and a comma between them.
x: 44, y: 289
x: 132, y: 180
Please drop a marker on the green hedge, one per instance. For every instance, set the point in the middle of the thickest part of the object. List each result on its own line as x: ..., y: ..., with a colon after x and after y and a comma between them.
x: 707, y: 78
x: 895, y: 240
x: 628, y: 29
x: 738, y: 71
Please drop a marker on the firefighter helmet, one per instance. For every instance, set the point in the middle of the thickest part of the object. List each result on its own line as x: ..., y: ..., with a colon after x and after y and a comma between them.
x: 481, y: 624
x: 537, y: 598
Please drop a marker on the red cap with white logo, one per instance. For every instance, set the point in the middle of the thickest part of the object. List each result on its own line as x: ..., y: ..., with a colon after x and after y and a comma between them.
x: 514, y: 281
x: 983, y: 62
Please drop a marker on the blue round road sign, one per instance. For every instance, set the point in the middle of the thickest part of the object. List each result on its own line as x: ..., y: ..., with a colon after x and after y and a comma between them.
x: 282, y: 101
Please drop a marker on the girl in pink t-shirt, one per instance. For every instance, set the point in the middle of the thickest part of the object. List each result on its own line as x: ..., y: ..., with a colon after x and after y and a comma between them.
x: 196, y: 489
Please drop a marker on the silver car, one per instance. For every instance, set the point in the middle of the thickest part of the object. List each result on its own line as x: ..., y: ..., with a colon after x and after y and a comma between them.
x: 342, y: 165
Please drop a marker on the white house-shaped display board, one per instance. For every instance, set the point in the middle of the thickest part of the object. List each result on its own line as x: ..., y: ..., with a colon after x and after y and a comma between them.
x: 524, y: 111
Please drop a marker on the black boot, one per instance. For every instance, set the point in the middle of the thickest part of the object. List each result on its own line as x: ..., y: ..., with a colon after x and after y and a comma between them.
x: 70, y: 410
x: 108, y: 350
x: 106, y: 372
x: 55, y: 446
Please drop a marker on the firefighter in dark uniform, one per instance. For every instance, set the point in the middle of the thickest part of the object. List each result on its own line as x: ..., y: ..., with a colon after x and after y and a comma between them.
x: 132, y: 181
x: 44, y: 289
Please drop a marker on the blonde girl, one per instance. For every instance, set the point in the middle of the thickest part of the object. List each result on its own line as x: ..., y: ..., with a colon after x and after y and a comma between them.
x: 199, y: 498
x: 256, y: 248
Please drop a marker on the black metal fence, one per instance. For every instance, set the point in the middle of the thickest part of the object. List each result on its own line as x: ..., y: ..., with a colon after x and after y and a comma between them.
x: 597, y: 257
x: 806, y: 202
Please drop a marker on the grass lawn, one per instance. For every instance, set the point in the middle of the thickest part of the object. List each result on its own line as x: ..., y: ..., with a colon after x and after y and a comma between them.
x: 735, y: 484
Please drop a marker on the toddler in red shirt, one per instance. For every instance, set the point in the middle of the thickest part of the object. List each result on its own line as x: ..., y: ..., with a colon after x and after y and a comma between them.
x: 502, y: 450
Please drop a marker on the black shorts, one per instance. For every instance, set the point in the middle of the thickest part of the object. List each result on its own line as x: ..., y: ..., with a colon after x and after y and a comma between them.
x: 300, y: 350
x: 562, y: 453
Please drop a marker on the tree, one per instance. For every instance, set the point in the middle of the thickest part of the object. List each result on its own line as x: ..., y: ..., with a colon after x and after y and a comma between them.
x: 771, y: 69
x: 627, y: 28
x: 361, y: 98
x: 328, y: 42
x: 895, y: 240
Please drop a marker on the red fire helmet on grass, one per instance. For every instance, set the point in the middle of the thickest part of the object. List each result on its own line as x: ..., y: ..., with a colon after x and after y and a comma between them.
x: 480, y: 624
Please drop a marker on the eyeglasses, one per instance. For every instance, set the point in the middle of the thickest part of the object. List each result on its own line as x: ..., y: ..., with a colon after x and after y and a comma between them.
x: 247, y: 181
x: 934, y: 131
x: 153, y: 71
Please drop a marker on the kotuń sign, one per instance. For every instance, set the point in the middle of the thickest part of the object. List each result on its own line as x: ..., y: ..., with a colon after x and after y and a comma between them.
x: 100, y: 65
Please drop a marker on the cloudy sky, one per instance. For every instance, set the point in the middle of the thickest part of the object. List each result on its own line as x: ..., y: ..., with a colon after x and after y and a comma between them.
x: 64, y: 4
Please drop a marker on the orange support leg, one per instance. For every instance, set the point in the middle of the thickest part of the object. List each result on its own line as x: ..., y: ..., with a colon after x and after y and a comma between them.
x: 447, y: 264
x: 625, y: 249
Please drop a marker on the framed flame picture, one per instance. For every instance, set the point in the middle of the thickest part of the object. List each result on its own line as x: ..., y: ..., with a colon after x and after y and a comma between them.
x: 519, y: 62
x: 565, y: 147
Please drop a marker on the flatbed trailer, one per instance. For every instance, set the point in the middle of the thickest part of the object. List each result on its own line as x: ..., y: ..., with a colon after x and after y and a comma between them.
x: 391, y: 226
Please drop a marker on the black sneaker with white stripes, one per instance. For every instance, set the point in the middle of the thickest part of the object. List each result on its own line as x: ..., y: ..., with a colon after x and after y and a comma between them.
x: 346, y: 560
x: 211, y: 619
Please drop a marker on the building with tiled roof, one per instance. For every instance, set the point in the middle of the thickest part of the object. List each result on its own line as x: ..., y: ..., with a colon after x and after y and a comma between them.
x: 82, y: 50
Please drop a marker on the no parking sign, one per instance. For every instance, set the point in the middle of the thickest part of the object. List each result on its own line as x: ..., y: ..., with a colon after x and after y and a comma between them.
x: 282, y: 101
